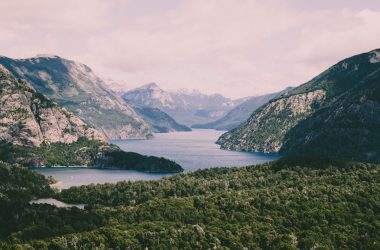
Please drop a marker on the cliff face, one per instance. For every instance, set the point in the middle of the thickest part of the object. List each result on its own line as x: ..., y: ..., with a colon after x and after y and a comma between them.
x: 28, y: 118
x: 336, y: 114
x: 265, y: 130
x: 75, y: 86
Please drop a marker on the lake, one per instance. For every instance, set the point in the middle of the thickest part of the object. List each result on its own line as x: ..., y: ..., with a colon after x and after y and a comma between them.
x: 192, y: 150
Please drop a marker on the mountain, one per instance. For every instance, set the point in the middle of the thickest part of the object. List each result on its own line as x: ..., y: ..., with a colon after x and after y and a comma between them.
x: 29, y: 118
x: 186, y: 107
x: 241, y: 112
x: 159, y: 121
x: 336, y: 114
x: 35, y: 131
x: 76, y: 87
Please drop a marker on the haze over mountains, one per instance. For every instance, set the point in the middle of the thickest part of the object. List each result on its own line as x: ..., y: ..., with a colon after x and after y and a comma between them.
x: 241, y: 112
x: 188, y: 107
x: 336, y: 114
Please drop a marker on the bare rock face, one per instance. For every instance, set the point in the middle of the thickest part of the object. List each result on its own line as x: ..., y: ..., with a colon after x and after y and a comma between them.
x: 29, y: 118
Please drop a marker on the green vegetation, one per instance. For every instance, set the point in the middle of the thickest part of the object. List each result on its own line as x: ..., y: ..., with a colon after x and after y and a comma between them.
x: 343, y: 122
x: 56, y: 154
x: 289, y: 204
x: 87, y: 152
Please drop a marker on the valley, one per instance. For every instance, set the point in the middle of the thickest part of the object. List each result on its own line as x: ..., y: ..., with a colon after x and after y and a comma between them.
x: 223, y: 125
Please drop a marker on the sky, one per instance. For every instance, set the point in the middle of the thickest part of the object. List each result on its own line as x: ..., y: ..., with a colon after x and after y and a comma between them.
x: 235, y: 48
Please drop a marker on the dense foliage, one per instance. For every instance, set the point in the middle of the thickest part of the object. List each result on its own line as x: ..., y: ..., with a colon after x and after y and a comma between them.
x: 290, y: 204
x: 92, y: 153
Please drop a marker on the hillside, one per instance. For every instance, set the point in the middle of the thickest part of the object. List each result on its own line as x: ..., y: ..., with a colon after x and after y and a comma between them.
x: 290, y: 204
x: 241, y: 112
x: 159, y: 121
x: 34, y: 131
x: 29, y: 118
x: 184, y: 106
x: 336, y: 114
x: 75, y: 86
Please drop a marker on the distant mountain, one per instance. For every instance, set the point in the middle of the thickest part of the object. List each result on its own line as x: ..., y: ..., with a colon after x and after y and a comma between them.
x: 241, y: 112
x: 336, y: 114
x: 35, y: 131
x: 186, y: 107
x: 159, y: 121
x: 76, y: 87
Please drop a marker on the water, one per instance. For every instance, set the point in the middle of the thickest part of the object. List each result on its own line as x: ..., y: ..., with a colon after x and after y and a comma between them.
x: 56, y: 203
x: 192, y: 150
x: 67, y: 177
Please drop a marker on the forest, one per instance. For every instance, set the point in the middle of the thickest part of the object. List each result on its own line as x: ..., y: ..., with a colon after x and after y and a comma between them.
x: 294, y: 203
x: 92, y: 153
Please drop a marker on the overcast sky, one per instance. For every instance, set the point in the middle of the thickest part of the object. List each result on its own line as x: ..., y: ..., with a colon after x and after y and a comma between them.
x: 233, y: 47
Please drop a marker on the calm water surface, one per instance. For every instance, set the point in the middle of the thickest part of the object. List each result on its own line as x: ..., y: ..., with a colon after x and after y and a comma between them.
x: 192, y: 150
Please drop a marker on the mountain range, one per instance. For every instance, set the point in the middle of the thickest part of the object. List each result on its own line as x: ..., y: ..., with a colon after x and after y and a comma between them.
x: 75, y: 86
x: 241, y: 112
x: 35, y: 131
x: 187, y: 107
x: 336, y: 114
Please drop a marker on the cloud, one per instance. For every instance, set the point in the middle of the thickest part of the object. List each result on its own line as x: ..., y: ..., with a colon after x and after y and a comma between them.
x: 236, y: 48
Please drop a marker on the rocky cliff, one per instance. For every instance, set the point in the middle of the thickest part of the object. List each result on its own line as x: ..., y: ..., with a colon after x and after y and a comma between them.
x: 336, y: 114
x: 75, y: 86
x: 28, y: 118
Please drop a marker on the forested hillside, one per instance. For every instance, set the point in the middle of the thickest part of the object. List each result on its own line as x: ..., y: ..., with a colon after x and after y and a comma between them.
x: 336, y: 114
x: 290, y: 204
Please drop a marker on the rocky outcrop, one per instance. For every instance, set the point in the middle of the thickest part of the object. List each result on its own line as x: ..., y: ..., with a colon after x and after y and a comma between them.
x: 336, y: 114
x: 75, y: 86
x: 28, y: 118
x: 265, y: 130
